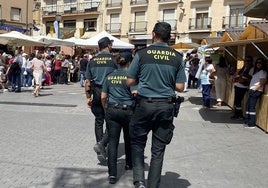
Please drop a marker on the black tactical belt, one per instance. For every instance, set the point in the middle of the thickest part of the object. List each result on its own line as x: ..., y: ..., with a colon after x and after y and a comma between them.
x: 119, y: 106
x: 152, y: 99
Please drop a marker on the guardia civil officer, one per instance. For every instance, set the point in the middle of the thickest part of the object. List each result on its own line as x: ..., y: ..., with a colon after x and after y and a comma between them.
x: 118, y: 98
x: 159, y: 71
x: 97, y: 70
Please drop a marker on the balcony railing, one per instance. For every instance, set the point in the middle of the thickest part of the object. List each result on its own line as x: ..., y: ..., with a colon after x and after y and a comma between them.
x: 138, y: 26
x: 138, y: 2
x: 234, y: 22
x: 167, y: 1
x: 114, y: 3
x: 89, y: 5
x: 113, y: 27
x: 49, y: 9
x: 197, y: 24
x: 173, y: 24
x: 71, y: 8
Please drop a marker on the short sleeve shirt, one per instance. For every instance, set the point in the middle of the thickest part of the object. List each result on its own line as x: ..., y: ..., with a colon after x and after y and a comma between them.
x: 38, y: 65
x: 99, y: 67
x: 83, y: 64
x: 157, y: 69
x: 241, y: 85
x: 18, y: 59
x: 115, y: 86
x: 207, y: 71
x: 256, y: 79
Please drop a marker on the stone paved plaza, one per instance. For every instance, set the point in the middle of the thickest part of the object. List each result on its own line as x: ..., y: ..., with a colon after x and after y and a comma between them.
x: 46, y: 142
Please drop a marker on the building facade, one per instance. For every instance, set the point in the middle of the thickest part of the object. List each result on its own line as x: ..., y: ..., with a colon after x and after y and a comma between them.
x: 133, y: 20
x: 17, y: 16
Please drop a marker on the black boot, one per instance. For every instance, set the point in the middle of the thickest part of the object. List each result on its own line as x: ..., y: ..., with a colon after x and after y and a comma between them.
x: 139, y: 184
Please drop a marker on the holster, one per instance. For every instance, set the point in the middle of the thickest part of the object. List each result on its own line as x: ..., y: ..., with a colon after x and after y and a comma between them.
x: 177, y: 100
x: 89, y: 92
x: 135, y: 100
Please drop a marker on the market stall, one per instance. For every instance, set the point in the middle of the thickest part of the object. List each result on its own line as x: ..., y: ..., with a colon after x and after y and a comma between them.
x: 252, y: 41
x: 181, y: 46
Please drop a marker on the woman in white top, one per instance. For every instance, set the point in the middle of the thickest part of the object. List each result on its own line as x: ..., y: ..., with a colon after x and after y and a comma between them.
x: 206, y: 84
x: 29, y: 76
x: 39, y: 68
x: 256, y: 87
x: 221, y: 80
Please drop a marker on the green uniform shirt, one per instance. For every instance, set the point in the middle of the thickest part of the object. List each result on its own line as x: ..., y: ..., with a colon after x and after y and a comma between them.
x: 115, y: 86
x: 157, y: 69
x: 99, y: 67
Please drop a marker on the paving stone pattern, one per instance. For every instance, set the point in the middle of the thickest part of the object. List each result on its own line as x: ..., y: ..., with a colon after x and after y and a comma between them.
x: 47, y: 142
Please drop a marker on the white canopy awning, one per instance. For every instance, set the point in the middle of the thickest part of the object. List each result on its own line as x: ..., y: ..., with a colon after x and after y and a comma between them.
x: 117, y: 44
x: 77, y: 41
x: 16, y: 38
x: 50, y: 41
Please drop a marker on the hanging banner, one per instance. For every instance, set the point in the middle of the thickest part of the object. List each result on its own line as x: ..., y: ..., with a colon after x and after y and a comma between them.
x: 56, y: 27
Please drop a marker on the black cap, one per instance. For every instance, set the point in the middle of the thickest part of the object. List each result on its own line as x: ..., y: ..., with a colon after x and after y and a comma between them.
x: 104, y: 42
x: 127, y: 56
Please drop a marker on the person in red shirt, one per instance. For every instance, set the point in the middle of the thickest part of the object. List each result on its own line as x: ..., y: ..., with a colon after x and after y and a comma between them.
x: 57, y: 68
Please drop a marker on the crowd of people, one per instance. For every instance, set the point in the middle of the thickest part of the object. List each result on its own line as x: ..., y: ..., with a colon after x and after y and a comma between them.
x: 214, y: 76
x: 37, y: 69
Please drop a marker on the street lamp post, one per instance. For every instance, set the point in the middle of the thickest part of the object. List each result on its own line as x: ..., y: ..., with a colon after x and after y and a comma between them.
x: 181, y: 3
x: 27, y: 5
x: 30, y: 27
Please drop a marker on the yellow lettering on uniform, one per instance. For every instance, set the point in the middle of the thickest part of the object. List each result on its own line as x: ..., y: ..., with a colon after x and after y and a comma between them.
x: 116, y: 82
x: 103, y: 58
x: 101, y: 62
x: 116, y: 79
x: 161, y: 54
x: 162, y: 57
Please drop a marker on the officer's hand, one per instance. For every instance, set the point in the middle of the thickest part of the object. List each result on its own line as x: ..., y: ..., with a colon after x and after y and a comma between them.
x: 89, y: 102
